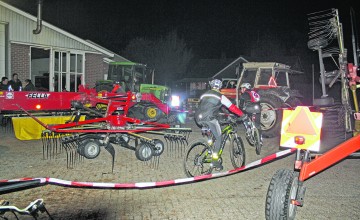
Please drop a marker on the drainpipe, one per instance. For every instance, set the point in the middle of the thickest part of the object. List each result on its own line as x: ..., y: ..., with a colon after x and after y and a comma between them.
x: 39, y: 20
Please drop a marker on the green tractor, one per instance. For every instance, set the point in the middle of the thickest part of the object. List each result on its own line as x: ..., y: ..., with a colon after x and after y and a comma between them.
x: 138, y: 78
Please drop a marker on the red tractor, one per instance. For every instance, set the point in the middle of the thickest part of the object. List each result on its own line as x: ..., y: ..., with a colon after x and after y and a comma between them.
x: 271, y: 81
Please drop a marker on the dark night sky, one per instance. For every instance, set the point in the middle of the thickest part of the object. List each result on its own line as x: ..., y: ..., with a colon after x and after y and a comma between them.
x: 208, y: 27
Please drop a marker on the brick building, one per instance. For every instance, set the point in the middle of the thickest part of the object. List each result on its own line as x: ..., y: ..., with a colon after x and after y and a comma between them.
x: 53, y: 59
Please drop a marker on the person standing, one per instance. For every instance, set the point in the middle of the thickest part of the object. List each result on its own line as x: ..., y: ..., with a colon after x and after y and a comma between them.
x: 29, y: 86
x: 15, y: 82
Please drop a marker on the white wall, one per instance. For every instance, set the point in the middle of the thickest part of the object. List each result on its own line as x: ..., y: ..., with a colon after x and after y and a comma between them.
x: 2, y: 50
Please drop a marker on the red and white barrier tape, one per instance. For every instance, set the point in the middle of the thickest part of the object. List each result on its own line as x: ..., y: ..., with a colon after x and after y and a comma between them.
x: 66, y: 183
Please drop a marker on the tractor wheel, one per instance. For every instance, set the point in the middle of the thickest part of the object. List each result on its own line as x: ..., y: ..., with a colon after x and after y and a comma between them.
x: 293, y: 102
x: 144, y: 151
x: 270, y: 117
x: 90, y: 149
x: 104, y: 87
x: 282, y: 190
x: 152, y: 113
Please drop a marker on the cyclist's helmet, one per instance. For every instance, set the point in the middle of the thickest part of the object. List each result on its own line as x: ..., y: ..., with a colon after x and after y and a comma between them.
x: 215, y: 84
x: 246, y: 85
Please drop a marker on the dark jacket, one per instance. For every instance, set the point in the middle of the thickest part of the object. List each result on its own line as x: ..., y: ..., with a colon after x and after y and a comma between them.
x: 29, y: 87
x: 3, y: 87
x: 15, y: 85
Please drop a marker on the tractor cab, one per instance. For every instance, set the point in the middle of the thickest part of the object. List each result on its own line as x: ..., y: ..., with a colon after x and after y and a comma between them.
x: 134, y: 77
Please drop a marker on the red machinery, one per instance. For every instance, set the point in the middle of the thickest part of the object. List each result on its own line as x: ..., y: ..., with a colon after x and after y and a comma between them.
x: 103, y: 126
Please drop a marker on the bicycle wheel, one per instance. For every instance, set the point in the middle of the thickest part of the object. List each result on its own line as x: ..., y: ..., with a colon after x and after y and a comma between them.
x: 237, y: 152
x: 258, y: 143
x: 198, y: 159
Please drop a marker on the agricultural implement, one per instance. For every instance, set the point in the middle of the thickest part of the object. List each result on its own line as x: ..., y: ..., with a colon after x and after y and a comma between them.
x: 309, y: 131
x: 90, y: 128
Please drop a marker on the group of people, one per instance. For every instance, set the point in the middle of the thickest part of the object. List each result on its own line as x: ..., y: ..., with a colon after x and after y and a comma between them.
x: 210, y: 106
x: 15, y: 84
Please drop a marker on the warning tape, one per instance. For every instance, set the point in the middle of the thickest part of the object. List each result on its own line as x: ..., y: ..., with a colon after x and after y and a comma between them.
x: 100, y: 185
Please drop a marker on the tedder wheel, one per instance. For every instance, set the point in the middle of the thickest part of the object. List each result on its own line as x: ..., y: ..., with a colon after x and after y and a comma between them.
x: 282, y: 190
x: 90, y: 149
x: 144, y: 151
x: 237, y: 153
x: 159, y: 147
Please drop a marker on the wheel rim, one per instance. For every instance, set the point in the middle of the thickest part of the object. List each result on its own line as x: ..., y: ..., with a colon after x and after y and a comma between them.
x: 146, y: 152
x: 92, y: 150
x: 151, y: 112
x: 293, y: 192
x: 158, y: 148
x: 268, y: 117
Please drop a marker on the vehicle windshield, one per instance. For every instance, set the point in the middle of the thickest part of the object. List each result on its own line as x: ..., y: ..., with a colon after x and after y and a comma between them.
x: 280, y: 78
x: 129, y: 76
x: 248, y: 76
x: 264, y: 77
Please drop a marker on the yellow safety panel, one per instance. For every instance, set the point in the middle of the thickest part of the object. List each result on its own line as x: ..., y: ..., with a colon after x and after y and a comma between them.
x: 301, y: 122
x: 26, y: 128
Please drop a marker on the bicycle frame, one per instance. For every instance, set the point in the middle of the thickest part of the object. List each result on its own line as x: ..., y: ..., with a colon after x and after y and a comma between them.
x: 226, y: 132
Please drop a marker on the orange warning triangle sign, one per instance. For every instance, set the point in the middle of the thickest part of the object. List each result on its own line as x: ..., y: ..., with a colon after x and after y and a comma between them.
x: 302, y: 124
x: 272, y: 82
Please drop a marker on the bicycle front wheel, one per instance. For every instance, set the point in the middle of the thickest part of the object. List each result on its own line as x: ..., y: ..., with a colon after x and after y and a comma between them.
x: 237, y: 152
x: 258, y: 143
x: 197, y: 159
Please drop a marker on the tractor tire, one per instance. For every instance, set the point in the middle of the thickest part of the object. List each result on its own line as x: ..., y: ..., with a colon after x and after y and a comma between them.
x: 293, y: 102
x: 270, y: 119
x: 282, y: 190
x: 104, y: 87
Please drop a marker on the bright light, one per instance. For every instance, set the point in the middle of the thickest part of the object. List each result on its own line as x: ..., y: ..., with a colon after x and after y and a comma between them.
x: 175, y: 101
x: 38, y: 106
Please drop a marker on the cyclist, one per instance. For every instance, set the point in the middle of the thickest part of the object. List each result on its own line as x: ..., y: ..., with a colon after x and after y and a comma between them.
x: 209, y: 107
x: 247, y: 96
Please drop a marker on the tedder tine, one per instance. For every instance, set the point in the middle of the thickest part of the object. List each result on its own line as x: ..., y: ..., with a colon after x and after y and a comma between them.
x: 111, y: 150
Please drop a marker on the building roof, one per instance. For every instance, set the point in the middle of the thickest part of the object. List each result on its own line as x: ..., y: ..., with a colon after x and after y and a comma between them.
x: 56, y: 29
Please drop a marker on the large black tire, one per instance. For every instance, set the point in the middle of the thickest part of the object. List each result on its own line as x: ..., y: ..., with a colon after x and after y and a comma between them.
x: 293, y: 102
x: 282, y: 190
x: 270, y: 118
x: 144, y: 151
x: 196, y: 159
x: 237, y: 153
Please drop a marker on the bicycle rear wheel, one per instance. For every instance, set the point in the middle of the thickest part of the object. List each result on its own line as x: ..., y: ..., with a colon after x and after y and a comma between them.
x: 237, y: 152
x: 198, y: 159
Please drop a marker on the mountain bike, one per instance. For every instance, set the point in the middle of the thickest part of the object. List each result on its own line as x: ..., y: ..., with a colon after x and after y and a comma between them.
x: 252, y: 133
x: 198, y: 158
